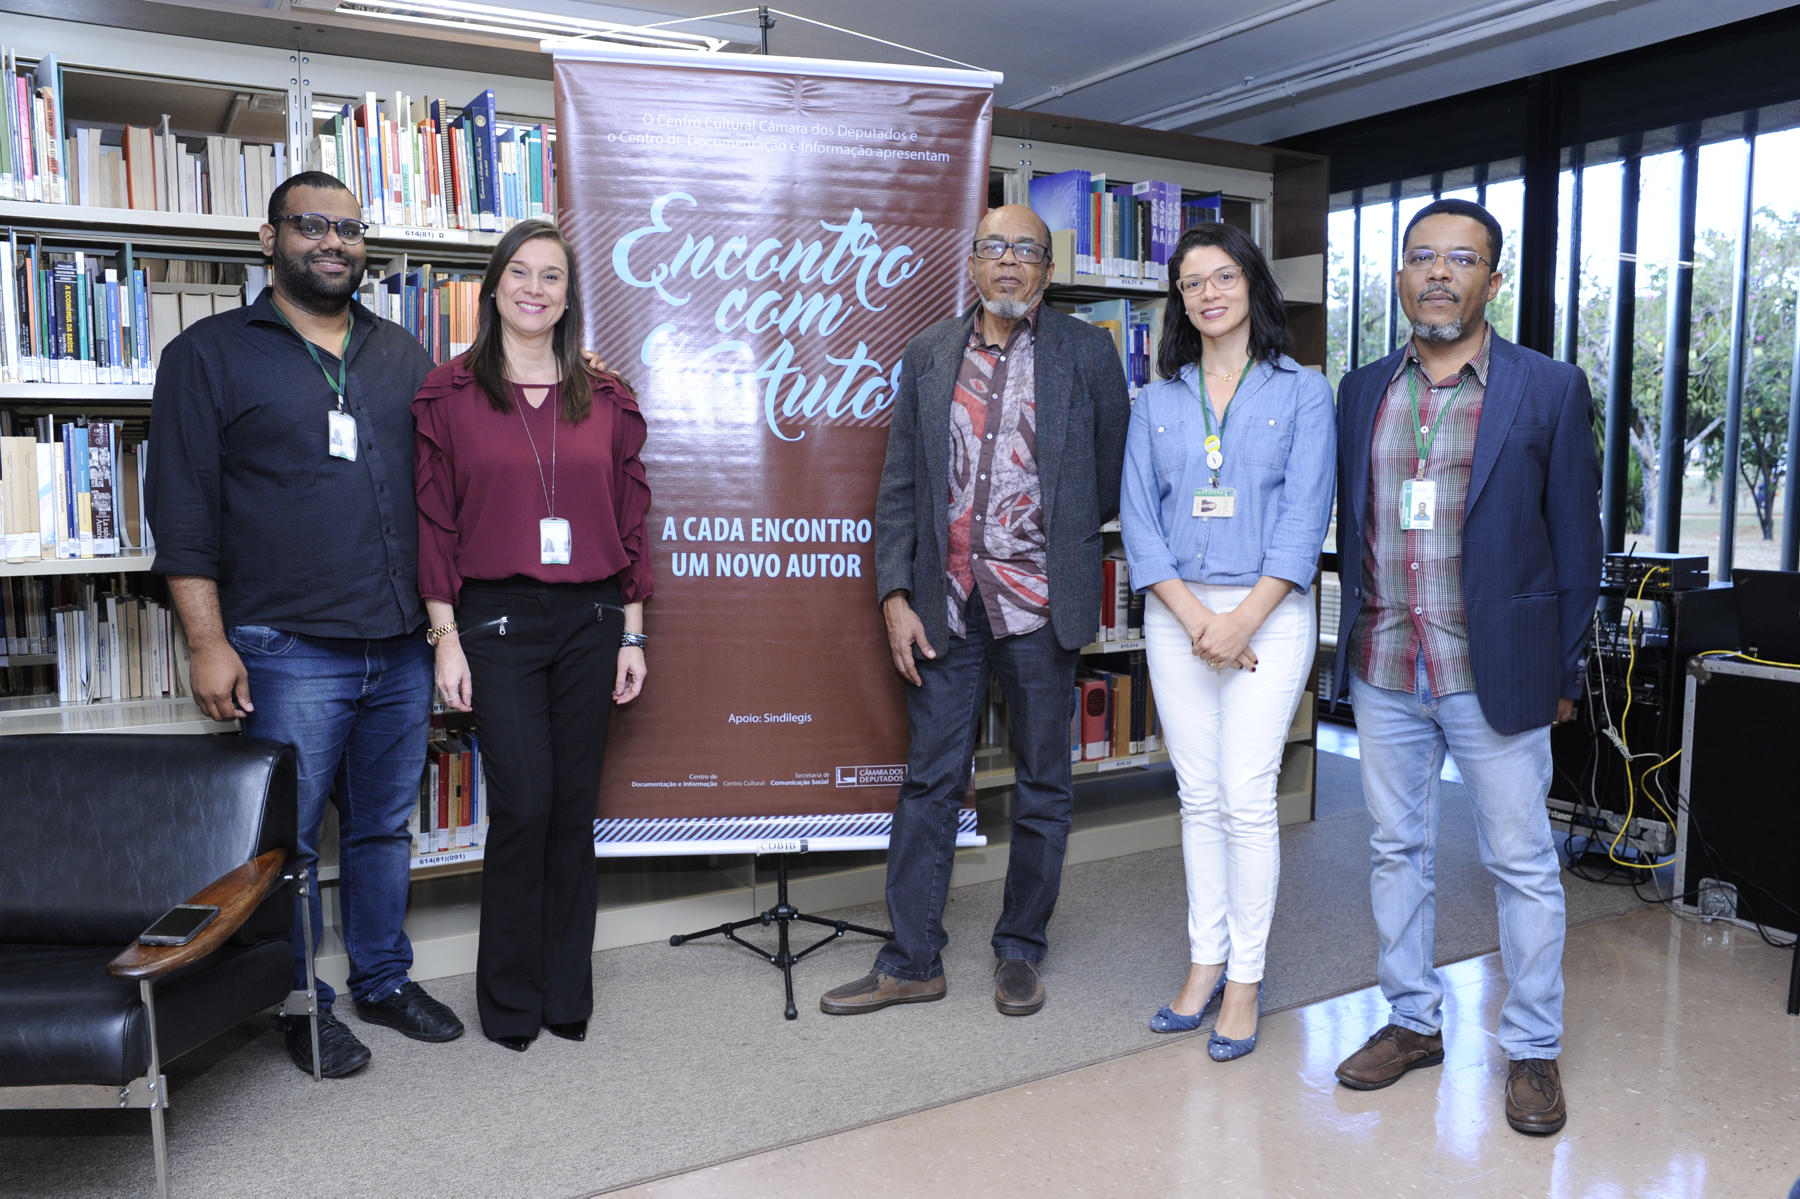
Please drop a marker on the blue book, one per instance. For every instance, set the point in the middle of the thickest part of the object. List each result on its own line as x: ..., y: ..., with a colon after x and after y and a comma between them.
x: 1062, y: 200
x: 140, y: 327
x: 477, y: 119
x: 115, y: 333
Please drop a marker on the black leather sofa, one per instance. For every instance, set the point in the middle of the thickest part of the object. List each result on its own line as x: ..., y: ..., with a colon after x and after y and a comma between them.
x: 99, y: 835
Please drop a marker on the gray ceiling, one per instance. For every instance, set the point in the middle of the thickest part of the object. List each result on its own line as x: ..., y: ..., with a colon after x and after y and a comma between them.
x: 1257, y: 71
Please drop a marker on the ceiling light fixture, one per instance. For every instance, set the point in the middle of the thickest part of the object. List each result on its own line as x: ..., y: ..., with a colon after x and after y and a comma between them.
x: 495, y: 20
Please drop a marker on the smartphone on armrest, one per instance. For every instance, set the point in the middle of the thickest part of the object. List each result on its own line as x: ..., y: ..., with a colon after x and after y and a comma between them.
x: 179, y: 925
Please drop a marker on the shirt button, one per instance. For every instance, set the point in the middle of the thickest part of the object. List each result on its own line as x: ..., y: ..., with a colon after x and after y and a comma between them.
x: 978, y: 517
x: 981, y: 476
x: 1413, y: 565
x: 1418, y: 611
x: 1161, y: 429
x: 1424, y: 428
x: 990, y: 437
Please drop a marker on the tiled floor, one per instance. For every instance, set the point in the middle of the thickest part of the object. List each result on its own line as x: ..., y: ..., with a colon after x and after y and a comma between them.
x: 1681, y: 1066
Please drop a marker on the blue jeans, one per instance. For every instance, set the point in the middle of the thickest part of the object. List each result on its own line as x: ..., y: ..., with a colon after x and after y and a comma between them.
x: 942, y: 714
x: 355, y: 713
x: 1403, y: 738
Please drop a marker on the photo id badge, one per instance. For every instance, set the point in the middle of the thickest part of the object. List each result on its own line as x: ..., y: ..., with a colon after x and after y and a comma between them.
x: 1215, y: 501
x: 553, y: 541
x: 340, y: 435
x: 1418, y: 504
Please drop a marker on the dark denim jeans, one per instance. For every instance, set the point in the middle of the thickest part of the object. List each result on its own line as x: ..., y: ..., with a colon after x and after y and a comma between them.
x: 943, y: 713
x: 355, y: 713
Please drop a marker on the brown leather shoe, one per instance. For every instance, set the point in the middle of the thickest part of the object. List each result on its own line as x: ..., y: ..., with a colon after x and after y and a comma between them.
x: 1387, y: 1055
x: 875, y: 990
x: 1018, y: 991
x: 1534, y: 1097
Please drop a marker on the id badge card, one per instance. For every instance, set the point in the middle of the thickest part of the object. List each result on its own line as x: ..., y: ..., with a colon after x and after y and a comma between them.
x: 1215, y: 501
x: 340, y: 435
x: 553, y: 541
x: 1418, y: 504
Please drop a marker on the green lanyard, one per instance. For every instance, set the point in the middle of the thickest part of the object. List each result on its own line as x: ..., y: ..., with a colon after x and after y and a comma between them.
x: 1423, y: 436
x: 1215, y: 437
x: 337, y: 384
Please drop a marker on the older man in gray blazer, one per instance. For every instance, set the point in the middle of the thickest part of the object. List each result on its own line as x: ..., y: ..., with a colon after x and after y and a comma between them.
x: 1003, y: 461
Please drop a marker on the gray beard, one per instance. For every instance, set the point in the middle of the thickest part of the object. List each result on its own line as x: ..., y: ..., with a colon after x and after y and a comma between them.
x: 1008, y: 310
x: 1446, y: 332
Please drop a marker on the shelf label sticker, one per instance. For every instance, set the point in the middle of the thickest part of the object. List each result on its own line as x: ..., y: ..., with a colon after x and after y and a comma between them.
x: 422, y: 233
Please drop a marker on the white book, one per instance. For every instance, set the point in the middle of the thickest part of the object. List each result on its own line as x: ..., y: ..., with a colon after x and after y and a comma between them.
x: 9, y: 317
x: 47, y: 456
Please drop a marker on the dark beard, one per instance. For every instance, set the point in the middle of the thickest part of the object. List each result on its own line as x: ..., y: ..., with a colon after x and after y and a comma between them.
x: 300, y: 286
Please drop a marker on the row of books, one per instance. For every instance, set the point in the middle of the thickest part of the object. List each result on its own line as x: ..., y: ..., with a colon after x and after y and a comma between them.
x: 414, y: 164
x: 31, y: 166
x: 139, y: 167
x: 1115, y: 713
x: 109, y: 642
x: 453, y: 796
x: 70, y: 490
x: 75, y: 317
x: 1136, y: 328
x: 438, y: 307
x: 1121, y: 608
x: 1121, y: 230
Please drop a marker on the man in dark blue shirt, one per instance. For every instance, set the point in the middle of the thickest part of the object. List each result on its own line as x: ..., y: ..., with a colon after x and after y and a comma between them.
x: 280, y: 488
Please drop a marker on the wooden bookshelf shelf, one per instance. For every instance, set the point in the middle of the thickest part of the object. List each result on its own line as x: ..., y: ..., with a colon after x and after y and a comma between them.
x: 43, y: 714
x: 1121, y: 645
x: 96, y: 393
x: 125, y: 220
x: 129, y: 562
x: 1002, y: 776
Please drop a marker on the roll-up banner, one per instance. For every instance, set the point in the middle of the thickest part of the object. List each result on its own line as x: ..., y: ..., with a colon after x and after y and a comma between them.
x: 757, y: 240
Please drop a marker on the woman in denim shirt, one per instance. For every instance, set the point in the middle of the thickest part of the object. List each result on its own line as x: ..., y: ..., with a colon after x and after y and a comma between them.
x: 1229, y: 468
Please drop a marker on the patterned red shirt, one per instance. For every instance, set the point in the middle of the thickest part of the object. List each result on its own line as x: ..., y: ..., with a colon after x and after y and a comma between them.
x: 1413, y: 601
x: 996, y: 511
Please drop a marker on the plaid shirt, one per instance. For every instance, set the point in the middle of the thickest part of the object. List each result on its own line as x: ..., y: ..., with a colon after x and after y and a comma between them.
x: 1413, y: 578
x: 995, y: 507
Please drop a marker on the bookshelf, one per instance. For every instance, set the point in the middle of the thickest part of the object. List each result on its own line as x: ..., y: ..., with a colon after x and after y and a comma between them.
x: 281, y: 95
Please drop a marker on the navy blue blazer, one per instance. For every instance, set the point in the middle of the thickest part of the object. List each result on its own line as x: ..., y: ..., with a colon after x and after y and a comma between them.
x: 1531, y: 530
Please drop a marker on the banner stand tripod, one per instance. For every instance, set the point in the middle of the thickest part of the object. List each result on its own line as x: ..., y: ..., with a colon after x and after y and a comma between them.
x: 783, y: 914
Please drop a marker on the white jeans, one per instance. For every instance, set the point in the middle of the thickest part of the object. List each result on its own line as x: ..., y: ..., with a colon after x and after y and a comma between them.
x: 1225, y: 730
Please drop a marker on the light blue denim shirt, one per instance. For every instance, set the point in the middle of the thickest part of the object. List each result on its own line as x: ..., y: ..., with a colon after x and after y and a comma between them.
x: 1280, y: 454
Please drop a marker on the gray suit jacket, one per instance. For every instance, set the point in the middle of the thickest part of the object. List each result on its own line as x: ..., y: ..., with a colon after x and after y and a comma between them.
x: 1082, y: 413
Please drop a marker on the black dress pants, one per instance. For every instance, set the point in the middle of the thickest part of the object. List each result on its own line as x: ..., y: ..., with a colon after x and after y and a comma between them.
x: 541, y: 663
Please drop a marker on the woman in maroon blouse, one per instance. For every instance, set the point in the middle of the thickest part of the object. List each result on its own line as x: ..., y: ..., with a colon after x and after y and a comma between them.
x: 533, y: 568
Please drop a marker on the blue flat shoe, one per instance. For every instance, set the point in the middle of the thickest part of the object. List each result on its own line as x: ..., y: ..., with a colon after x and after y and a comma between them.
x: 1224, y: 1049
x: 1170, y: 1020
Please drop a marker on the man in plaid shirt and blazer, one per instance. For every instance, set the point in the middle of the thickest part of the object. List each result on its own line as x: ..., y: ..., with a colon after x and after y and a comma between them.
x: 1469, y: 537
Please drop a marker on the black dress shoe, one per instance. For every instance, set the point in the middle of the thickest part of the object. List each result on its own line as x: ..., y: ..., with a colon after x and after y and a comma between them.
x: 516, y: 1044
x: 568, y: 1030
x: 411, y: 1012
x: 340, y: 1053
x: 1018, y: 991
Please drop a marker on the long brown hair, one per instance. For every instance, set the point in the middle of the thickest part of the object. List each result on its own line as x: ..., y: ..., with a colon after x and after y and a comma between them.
x: 487, y: 354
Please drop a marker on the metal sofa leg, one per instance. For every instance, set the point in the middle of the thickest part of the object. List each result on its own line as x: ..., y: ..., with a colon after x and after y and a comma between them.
x: 306, y: 1004
x: 157, y: 1088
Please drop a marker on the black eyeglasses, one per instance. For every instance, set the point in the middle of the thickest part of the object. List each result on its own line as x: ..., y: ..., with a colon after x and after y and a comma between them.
x: 314, y: 225
x: 1028, y: 252
x: 1461, y: 261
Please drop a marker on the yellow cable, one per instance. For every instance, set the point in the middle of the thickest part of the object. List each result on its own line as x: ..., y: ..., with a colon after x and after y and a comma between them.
x: 1732, y: 653
x: 1625, y: 746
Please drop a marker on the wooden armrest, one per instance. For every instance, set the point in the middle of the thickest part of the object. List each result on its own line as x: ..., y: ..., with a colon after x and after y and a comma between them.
x: 237, y: 894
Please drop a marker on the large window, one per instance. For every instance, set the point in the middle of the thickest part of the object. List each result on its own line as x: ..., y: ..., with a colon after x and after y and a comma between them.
x: 1731, y: 170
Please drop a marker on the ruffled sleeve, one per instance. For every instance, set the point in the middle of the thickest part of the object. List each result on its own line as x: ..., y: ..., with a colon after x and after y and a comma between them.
x: 631, y: 486
x: 434, y: 481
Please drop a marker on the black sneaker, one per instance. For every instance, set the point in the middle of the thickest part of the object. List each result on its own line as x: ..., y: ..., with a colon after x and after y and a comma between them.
x: 411, y: 1012
x: 340, y: 1053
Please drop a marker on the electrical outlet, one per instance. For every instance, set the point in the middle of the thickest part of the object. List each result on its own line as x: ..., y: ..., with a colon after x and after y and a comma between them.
x: 1717, y: 899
